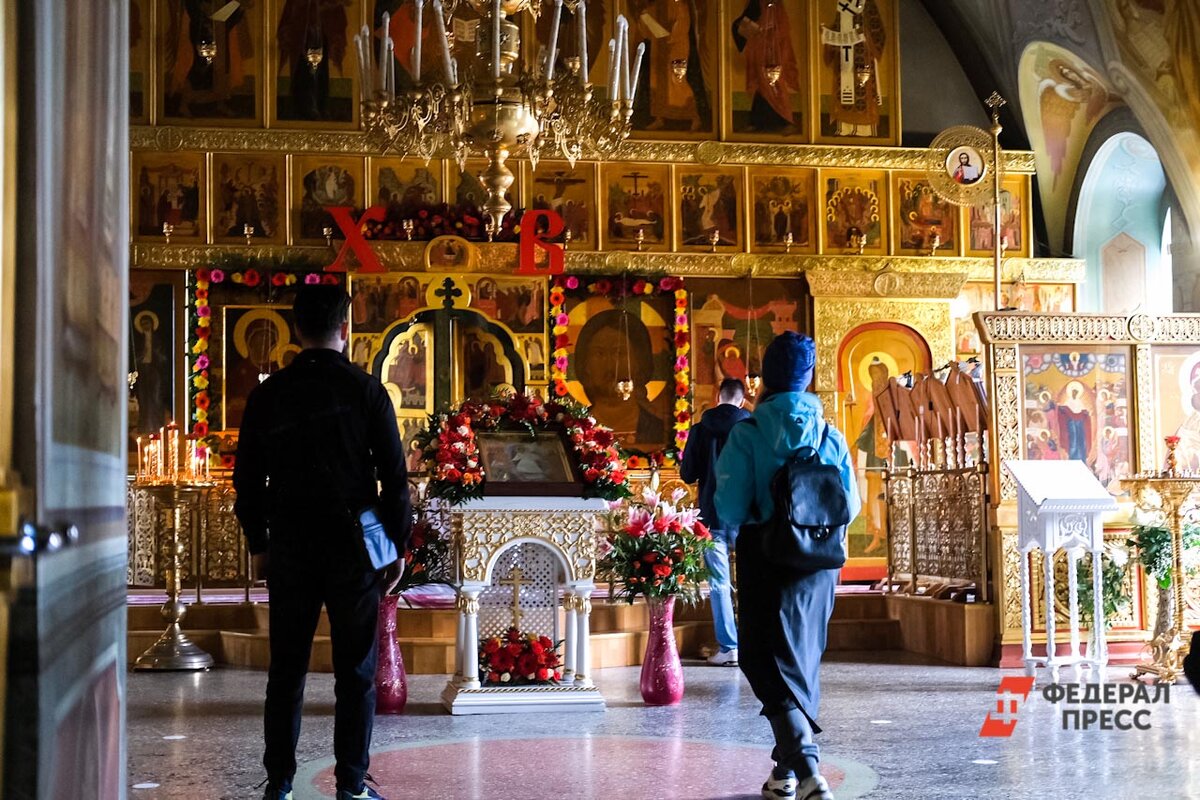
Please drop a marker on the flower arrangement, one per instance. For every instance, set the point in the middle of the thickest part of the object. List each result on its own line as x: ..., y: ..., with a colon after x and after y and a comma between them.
x: 427, y: 559
x: 520, y: 658
x: 616, y: 288
x: 451, y: 451
x: 430, y: 221
x: 656, y: 547
x: 265, y: 275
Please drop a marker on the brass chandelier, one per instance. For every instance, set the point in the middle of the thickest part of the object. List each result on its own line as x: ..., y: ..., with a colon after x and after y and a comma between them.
x: 498, y: 104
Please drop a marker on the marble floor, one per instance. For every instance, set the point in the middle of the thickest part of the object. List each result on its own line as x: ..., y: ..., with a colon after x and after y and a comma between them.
x: 900, y: 729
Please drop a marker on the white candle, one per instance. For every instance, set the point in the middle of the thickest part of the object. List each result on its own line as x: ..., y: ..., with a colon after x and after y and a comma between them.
x: 384, y: 38
x: 581, y: 14
x: 612, y: 70
x: 417, y: 46
x: 623, y: 46
x: 391, y: 69
x: 553, y: 56
x: 637, y: 70
x: 497, y: 20
x: 363, y: 44
x: 447, y: 61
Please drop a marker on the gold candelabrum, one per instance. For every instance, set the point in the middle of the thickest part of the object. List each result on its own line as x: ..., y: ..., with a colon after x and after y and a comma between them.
x: 496, y: 107
x: 1174, y: 489
x: 173, y: 468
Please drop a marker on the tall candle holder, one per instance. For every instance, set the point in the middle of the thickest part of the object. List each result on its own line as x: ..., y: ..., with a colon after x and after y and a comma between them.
x: 176, y: 475
x: 1174, y: 489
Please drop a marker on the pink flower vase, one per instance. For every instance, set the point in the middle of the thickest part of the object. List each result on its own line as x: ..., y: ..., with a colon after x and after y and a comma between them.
x: 391, y: 682
x: 662, y: 674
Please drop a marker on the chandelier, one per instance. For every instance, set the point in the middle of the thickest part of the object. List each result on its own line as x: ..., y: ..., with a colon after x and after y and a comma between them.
x: 500, y: 103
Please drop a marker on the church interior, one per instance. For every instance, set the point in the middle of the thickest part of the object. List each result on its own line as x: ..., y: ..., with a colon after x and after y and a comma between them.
x: 563, y: 227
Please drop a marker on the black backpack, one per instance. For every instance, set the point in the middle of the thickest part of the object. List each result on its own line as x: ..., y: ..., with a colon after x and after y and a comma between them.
x: 807, y: 530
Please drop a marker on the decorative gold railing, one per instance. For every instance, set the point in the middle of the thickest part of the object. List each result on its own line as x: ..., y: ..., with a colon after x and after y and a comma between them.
x: 937, y: 526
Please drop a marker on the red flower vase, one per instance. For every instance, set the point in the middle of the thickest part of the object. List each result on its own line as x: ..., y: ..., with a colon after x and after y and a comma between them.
x: 391, y: 682
x: 662, y: 674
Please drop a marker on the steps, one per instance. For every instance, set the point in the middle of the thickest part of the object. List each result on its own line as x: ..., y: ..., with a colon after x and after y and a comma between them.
x: 236, y: 634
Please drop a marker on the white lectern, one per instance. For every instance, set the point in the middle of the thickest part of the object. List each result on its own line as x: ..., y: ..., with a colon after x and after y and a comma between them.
x: 1061, y: 506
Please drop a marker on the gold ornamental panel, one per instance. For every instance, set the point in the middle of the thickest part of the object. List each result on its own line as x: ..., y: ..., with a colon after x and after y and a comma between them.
x: 480, y: 536
x: 888, y: 283
x: 834, y: 318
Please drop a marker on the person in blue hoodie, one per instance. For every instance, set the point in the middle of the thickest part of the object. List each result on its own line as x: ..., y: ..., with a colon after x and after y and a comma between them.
x: 705, y: 442
x: 782, y: 616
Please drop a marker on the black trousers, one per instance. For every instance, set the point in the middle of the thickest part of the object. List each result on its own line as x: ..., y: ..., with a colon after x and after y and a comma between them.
x: 297, y: 590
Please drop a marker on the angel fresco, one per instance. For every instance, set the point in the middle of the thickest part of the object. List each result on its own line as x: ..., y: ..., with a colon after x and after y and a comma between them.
x: 1063, y: 92
x: 305, y: 25
x: 681, y: 64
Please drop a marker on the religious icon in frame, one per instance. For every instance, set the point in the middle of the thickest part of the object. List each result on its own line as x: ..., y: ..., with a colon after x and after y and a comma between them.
x: 766, y: 49
x: 709, y: 208
x: 319, y: 181
x: 226, y: 88
x: 467, y: 191
x: 140, y: 42
x: 921, y: 215
x: 258, y: 342
x: 404, y: 185
x: 516, y: 463
x: 168, y: 188
x: 856, y: 45
x: 154, y: 301
x: 248, y: 191
x: 1014, y: 221
x: 678, y: 85
x: 785, y: 209
x: 966, y: 166
x: 321, y: 31
x: 855, y: 208
x: 635, y: 198
x: 570, y: 191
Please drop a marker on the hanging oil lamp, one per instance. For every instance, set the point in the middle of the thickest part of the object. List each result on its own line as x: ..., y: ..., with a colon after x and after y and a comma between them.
x: 753, y: 384
x: 625, y: 388
x: 753, y: 379
x: 314, y: 56
x: 207, y: 50
x: 625, y: 384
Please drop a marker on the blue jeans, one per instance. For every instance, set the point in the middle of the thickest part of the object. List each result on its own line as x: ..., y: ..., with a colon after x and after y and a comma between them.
x: 721, y: 593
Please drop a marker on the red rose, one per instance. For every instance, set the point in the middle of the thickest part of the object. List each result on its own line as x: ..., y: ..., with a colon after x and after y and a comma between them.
x: 674, y: 526
x: 591, y: 475
x: 545, y: 642
x: 618, y: 476
x: 603, y: 438
x: 503, y: 662
x: 536, y: 648
x: 491, y: 646
x: 602, y: 286
x: 251, y: 277
x: 513, y: 635
x: 660, y: 525
x: 513, y: 649
x: 493, y: 677
x: 650, y: 558
x: 453, y: 475
x: 202, y: 294
x: 543, y: 674
x: 701, y: 530
x: 527, y: 664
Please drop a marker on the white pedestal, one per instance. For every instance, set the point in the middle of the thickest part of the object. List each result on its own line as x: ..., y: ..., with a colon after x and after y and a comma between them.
x: 482, y: 531
x: 1061, y: 506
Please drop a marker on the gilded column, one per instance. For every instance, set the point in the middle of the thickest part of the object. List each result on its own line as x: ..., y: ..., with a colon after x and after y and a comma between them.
x: 468, y: 646
x: 570, y: 647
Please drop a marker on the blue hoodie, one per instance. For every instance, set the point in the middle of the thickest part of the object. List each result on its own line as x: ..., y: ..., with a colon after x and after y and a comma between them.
x: 784, y: 423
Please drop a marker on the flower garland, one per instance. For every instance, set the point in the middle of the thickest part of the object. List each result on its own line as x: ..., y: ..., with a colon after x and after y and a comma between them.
x: 431, y: 220
x: 253, y: 274
x: 450, y: 448
x: 615, y: 288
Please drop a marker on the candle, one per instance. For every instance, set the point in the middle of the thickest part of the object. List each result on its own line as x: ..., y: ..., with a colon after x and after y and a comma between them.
x: 581, y: 15
x: 637, y: 70
x: 553, y: 54
x: 612, y: 72
x: 444, y: 36
x: 417, y: 44
x: 363, y: 43
x: 171, y: 467
x: 141, y: 465
x: 623, y: 46
x: 154, y: 451
x: 497, y: 19
x: 384, y: 38
x: 391, y: 69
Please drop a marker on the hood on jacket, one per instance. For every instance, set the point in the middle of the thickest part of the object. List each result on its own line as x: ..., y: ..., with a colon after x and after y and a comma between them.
x: 720, y: 419
x: 789, y: 421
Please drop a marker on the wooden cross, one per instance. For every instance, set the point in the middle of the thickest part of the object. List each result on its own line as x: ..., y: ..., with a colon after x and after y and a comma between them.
x: 448, y: 292
x: 514, y: 580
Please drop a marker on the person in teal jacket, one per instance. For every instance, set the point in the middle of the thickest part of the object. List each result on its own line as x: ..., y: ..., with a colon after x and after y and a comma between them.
x: 782, y: 616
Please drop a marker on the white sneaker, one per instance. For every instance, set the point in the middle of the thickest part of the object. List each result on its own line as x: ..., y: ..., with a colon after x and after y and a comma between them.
x: 814, y: 788
x: 726, y: 659
x: 780, y: 789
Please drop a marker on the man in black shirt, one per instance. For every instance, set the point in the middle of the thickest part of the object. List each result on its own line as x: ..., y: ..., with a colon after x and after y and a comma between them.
x: 319, y: 444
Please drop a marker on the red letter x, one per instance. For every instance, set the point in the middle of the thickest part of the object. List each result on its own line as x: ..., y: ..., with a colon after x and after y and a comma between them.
x: 367, y: 260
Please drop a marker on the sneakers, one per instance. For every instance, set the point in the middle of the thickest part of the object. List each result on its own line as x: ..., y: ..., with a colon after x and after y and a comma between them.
x: 366, y: 793
x: 814, y: 788
x: 277, y: 793
x: 727, y: 658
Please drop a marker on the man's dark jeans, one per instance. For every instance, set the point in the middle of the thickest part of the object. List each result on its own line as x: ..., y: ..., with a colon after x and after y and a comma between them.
x: 351, y: 598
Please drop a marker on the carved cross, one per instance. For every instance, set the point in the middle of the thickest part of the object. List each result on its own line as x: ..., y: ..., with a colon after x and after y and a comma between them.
x: 448, y: 293
x: 515, y: 580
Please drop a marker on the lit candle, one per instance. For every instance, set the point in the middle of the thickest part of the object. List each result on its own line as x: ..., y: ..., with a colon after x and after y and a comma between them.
x: 497, y: 21
x: 444, y: 36
x: 417, y: 44
x: 553, y: 53
x: 172, y: 463
x: 581, y: 14
x: 637, y: 70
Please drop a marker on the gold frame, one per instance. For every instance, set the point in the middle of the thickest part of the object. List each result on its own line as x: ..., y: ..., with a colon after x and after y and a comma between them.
x: 285, y: 211
x: 885, y: 209
x: 377, y: 163
x: 816, y: 208
x: 590, y: 170
x: 816, y: 54
x: 299, y: 165
x: 894, y: 179
x: 180, y: 373
x: 803, y: 64
x: 604, y: 186
x: 1006, y: 183
x: 738, y: 174
x: 203, y: 181
x: 1004, y: 334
